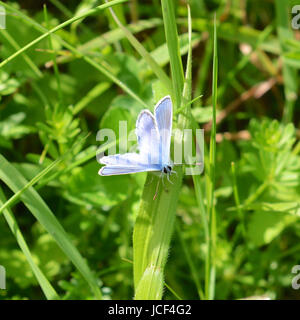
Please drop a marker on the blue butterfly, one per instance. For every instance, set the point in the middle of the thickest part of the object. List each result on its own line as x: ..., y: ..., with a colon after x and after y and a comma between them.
x: 154, y: 137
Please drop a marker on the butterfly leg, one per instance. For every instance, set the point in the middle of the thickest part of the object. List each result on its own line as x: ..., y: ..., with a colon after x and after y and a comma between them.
x: 168, y: 177
x: 173, y: 171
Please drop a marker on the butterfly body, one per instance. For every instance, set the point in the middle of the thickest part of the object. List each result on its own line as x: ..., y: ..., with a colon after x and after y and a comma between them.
x: 153, y: 133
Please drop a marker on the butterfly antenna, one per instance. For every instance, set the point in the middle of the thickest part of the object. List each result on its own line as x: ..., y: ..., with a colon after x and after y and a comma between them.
x: 155, y: 195
x: 168, y: 177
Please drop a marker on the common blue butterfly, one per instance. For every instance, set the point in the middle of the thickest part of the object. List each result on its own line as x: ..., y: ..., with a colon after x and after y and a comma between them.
x: 154, y: 137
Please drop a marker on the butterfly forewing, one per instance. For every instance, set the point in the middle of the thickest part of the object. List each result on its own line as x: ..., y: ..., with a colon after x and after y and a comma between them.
x: 163, y: 115
x: 148, y: 138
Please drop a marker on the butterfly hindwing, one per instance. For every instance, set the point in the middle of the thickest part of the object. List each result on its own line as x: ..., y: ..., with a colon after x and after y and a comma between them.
x: 126, y: 159
x: 124, y: 164
x: 116, y: 170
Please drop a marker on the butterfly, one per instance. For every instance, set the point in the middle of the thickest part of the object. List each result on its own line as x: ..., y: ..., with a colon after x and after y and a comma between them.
x: 153, y: 133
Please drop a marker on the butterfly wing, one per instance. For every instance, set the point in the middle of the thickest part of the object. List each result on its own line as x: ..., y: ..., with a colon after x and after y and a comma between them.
x: 124, y: 164
x: 116, y: 170
x: 163, y: 113
x: 126, y: 159
x: 148, y: 138
x: 153, y: 135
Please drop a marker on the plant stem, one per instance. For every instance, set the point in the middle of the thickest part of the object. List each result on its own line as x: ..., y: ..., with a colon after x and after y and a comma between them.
x: 210, y: 260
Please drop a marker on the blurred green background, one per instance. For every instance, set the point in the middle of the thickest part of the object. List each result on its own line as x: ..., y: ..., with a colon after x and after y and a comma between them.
x: 47, y: 109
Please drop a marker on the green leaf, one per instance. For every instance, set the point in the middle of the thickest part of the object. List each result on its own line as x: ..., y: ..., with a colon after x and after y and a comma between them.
x: 282, y: 10
x: 35, y: 204
x: 11, y: 127
x: 292, y: 59
x: 8, y: 85
x: 161, y: 54
x: 159, y: 72
x: 151, y: 280
x: 203, y: 114
x: 155, y: 220
x: 265, y: 226
x: 86, y: 187
x: 62, y: 25
x: 45, y: 285
x: 172, y: 40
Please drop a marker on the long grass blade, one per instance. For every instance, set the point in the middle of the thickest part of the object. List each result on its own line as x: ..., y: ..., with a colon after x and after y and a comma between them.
x: 35, y: 204
x: 173, y: 48
x: 16, y: 46
x: 78, y: 53
x: 155, y: 221
x: 210, y: 262
x: 161, y: 75
x: 60, y: 26
x: 45, y: 285
x: 289, y: 72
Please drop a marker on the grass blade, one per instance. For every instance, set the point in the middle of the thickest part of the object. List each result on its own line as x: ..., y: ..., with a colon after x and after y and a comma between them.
x: 210, y: 262
x: 155, y: 221
x: 173, y: 48
x: 237, y: 200
x: 161, y: 75
x: 60, y: 26
x: 18, y: 194
x: 289, y: 72
x: 16, y: 46
x: 45, y: 285
x: 78, y: 53
x: 35, y: 204
x: 151, y: 237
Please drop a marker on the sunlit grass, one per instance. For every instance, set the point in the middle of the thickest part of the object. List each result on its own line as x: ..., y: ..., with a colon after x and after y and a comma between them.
x: 65, y: 76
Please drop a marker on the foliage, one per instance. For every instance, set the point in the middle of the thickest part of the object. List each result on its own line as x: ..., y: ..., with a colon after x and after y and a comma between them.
x: 67, y: 233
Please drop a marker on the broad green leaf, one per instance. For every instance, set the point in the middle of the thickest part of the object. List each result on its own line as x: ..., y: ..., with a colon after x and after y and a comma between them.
x: 264, y: 226
x: 85, y: 187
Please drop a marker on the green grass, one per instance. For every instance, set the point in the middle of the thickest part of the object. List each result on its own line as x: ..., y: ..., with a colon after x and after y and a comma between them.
x: 68, y: 71
x: 289, y: 73
x: 155, y: 220
x: 10, y: 176
x: 210, y: 277
x: 46, y: 287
